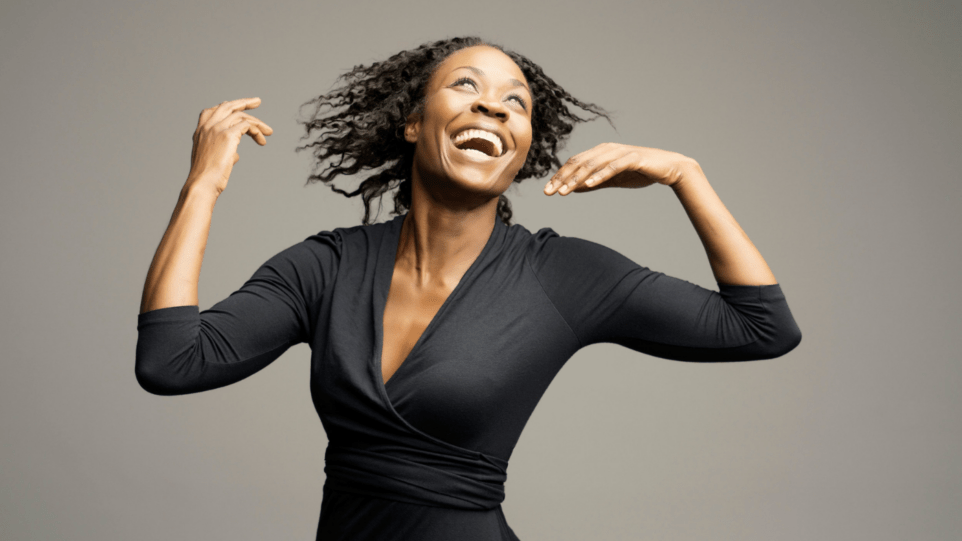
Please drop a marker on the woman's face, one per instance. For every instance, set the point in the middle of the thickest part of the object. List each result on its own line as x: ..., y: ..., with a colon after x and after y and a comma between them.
x: 474, y: 132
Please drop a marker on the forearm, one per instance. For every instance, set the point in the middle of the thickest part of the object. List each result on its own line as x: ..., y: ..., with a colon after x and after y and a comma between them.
x: 734, y: 259
x: 175, y: 270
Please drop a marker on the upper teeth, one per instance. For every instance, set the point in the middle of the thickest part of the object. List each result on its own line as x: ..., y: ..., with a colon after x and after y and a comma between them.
x: 480, y: 134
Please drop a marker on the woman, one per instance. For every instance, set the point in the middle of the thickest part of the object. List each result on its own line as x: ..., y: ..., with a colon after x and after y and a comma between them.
x: 435, y: 334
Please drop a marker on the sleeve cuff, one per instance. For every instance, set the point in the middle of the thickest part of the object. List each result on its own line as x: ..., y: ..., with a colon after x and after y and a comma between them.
x: 170, y: 313
x: 764, y: 293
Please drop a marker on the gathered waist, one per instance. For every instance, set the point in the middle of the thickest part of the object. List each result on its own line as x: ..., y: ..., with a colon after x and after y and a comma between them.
x: 418, y: 476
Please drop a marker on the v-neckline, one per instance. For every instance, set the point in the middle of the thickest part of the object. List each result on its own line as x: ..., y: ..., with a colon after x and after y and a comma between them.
x: 384, y: 276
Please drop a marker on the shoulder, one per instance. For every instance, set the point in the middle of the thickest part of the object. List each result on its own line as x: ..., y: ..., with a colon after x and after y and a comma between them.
x: 316, y: 262
x: 345, y: 241
x: 549, y: 250
x: 325, y: 249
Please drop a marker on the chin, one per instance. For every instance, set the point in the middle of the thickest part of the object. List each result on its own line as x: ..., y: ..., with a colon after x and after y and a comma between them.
x: 478, y: 180
x: 480, y: 186
x: 469, y: 177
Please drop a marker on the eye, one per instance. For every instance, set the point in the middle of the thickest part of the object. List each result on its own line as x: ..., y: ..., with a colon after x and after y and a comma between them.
x: 520, y: 100
x: 465, y: 80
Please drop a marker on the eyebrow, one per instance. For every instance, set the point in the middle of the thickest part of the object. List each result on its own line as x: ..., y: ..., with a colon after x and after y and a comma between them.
x: 514, y: 82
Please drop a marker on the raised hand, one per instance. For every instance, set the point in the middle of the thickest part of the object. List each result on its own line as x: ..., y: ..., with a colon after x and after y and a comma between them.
x: 219, y: 131
x: 610, y: 165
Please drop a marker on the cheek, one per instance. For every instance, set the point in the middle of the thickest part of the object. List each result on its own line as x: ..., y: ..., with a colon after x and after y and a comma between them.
x: 427, y: 144
x: 528, y: 138
x: 524, y: 150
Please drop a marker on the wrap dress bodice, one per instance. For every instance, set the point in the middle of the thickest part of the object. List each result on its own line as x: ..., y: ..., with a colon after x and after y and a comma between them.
x: 425, y: 456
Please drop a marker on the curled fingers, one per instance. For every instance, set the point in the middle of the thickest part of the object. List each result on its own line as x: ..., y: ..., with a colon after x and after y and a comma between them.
x: 239, y: 123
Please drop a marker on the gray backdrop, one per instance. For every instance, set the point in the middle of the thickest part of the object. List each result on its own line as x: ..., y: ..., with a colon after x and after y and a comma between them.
x: 831, y: 130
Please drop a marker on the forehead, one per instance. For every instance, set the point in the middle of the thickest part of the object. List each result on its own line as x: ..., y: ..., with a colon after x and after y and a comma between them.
x: 494, y: 63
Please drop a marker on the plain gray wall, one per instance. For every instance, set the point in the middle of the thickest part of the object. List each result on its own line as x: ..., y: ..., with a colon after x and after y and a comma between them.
x: 831, y: 130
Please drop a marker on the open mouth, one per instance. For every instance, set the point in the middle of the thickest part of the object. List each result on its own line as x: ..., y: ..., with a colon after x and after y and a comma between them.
x: 479, y: 142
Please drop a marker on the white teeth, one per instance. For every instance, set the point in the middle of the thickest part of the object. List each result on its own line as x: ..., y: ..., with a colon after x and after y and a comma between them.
x: 480, y: 134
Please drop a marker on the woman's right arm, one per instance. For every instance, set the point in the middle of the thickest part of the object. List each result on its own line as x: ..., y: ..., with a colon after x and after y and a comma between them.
x: 182, y: 350
x: 175, y: 270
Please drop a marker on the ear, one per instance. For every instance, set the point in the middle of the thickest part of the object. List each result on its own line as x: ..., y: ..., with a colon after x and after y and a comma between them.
x: 412, y: 128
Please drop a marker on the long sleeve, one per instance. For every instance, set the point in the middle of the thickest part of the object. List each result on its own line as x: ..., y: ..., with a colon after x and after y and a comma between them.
x: 606, y: 297
x: 182, y: 350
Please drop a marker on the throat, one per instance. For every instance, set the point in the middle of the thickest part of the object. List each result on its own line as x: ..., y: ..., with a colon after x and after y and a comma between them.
x: 436, y: 248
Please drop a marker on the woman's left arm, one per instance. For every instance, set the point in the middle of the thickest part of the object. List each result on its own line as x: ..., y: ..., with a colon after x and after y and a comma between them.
x: 734, y: 259
x: 605, y: 297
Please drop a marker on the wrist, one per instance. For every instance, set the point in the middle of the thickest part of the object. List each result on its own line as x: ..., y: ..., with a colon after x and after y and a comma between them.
x: 691, y: 175
x: 198, y: 188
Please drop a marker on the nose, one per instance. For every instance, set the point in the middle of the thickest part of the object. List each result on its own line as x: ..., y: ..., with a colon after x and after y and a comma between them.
x: 491, y: 108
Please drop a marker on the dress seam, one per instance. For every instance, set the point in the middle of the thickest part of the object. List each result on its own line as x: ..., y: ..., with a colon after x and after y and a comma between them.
x: 551, y: 302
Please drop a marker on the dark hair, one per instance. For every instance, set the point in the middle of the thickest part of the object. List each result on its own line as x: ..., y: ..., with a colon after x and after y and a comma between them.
x: 360, y: 124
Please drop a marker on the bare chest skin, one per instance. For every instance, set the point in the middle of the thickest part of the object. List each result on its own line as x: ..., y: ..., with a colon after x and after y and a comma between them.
x: 407, y: 313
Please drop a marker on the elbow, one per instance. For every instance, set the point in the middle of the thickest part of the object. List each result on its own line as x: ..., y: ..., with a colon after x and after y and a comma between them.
x: 161, y: 379
x: 167, y: 368
x: 151, y: 379
x: 784, y: 342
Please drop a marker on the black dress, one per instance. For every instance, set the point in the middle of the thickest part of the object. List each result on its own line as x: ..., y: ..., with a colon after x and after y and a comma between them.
x: 425, y: 457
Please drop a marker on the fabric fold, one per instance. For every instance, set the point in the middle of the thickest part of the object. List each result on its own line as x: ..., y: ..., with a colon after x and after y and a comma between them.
x: 417, y: 476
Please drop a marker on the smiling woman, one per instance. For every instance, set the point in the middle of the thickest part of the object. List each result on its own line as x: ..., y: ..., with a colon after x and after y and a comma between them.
x: 435, y: 334
x: 357, y: 126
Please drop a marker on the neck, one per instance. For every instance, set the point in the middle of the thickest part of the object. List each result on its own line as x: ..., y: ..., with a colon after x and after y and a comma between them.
x: 439, y: 242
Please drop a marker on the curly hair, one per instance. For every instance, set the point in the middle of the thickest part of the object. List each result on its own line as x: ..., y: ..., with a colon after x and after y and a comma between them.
x: 360, y: 124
